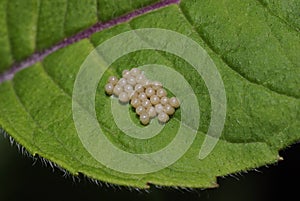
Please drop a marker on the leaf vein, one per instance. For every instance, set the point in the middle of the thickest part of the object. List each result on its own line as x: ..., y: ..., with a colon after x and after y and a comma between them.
x: 40, y: 55
x: 65, y: 17
x: 277, y: 16
x: 40, y: 127
x: 230, y: 66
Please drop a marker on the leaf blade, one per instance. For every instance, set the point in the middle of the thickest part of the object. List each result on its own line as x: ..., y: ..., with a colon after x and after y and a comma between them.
x: 260, y: 120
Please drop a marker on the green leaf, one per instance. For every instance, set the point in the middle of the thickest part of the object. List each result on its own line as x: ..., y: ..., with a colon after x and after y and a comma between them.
x: 255, y: 46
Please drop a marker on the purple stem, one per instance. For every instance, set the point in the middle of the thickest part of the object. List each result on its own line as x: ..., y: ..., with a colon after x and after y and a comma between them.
x: 38, y: 56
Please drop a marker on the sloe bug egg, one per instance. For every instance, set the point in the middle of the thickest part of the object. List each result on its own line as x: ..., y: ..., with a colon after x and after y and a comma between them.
x: 148, y: 97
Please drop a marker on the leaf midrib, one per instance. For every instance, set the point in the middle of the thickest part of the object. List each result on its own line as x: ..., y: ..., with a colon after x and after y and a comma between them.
x: 99, y: 26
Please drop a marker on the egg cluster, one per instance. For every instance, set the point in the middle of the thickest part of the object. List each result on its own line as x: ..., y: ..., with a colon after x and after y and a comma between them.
x: 149, y: 98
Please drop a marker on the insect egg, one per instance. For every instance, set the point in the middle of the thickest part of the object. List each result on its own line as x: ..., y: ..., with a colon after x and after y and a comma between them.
x: 113, y: 80
x: 168, y: 109
x: 131, y: 80
x: 163, y: 117
x: 151, y: 112
x: 140, y: 79
x: 126, y: 73
x: 159, y: 108
x: 140, y: 109
x: 142, y: 96
x: 149, y: 91
x: 144, y: 118
x: 134, y: 95
x: 131, y: 94
x: 146, y: 103
x: 135, y: 102
x: 154, y: 99
x: 164, y: 100
x: 156, y: 85
x: 117, y: 90
x: 123, y: 97
x: 161, y: 92
x: 139, y: 88
x: 128, y: 88
x: 174, y: 102
x: 135, y: 71
x: 122, y: 82
x: 109, y: 88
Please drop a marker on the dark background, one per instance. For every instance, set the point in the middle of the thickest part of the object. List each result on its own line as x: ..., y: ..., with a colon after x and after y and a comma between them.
x: 23, y: 179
